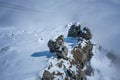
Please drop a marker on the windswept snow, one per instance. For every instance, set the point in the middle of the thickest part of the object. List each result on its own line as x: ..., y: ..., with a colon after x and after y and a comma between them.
x: 24, y: 35
x: 24, y: 54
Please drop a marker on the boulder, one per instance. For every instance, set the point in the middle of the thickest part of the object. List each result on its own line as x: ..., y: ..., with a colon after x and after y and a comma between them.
x: 52, y: 45
x: 74, y: 30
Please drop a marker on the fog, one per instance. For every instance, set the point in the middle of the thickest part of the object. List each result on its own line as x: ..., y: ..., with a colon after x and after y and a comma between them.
x: 101, y: 16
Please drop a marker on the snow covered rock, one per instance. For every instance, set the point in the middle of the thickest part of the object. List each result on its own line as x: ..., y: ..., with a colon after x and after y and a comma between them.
x: 58, y: 47
x: 47, y: 76
x: 72, y: 63
x: 62, y: 52
x: 76, y: 31
x: 86, y: 33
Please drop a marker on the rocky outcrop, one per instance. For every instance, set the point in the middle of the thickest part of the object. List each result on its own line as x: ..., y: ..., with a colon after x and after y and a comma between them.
x: 58, y: 47
x: 52, y: 45
x: 72, y: 63
x: 85, y: 33
x: 47, y: 75
x: 62, y: 52
x: 76, y: 31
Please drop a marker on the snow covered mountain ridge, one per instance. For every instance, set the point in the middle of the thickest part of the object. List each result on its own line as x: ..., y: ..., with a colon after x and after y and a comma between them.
x: 24, y: 54
x: 76, y: 64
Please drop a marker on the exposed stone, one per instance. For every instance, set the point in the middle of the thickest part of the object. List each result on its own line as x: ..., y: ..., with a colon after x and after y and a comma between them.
x: 79, y: 57
x: 62, y: 52
x: 73, y: 67
x: 87, y: 49
x: 71, y: 74
x: 86, y: 33
x: 52, y: 45
x: 74, y: 30
x: 58, y: 47
x: 47, y: 75
x: 60, y: 41
x: 61, y: 37
x: 51, y: 65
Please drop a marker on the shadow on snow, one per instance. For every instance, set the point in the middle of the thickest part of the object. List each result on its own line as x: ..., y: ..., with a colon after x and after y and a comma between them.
x: 48, y: 54
x: 72, y: 40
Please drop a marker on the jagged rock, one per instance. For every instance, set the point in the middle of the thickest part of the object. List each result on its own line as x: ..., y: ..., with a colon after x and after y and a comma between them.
x: 58, y: 47
x: 60, y: 41
x: 74, y: 30
x: 52, y: 45
x: 87, y: 49
x: 79, y: 56
x: 69, y: 65
x: 47, y: 75
x: 111, y: 56
x: 86, y: 33
x: 62, y: 52
x: 60, y: 64
x: 71, y: 74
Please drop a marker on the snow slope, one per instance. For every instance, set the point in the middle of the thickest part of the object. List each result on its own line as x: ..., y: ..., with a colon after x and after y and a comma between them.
x: 24, y: 54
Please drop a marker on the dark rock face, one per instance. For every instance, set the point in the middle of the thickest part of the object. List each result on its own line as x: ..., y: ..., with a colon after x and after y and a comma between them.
x: 52, y: 45
x: 60, y: 41
x: 47, y: 75
x: 87, y: 49
x: 74, y: 30
x: 79, y: 57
